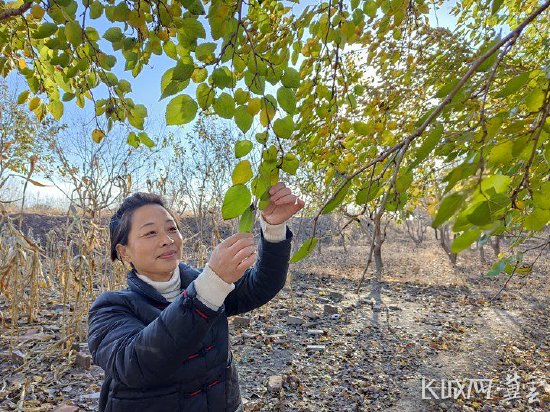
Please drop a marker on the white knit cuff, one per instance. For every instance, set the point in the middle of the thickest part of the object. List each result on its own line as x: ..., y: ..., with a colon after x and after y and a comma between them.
x: 273, y: 233
x: 211, y: 289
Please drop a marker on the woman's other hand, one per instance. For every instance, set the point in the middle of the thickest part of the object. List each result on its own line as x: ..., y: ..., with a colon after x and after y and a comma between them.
x: 233, y: 256
x: 282, y: 205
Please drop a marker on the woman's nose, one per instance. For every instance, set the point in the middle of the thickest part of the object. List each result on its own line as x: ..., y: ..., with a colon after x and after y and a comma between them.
x: 168, y: 239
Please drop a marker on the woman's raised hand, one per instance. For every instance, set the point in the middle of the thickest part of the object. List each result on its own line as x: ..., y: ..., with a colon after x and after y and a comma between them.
x: 233, y: 256
x: 283, y: 204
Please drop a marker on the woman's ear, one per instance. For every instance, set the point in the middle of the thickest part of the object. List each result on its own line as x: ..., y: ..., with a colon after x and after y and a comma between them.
x: 123, y: 253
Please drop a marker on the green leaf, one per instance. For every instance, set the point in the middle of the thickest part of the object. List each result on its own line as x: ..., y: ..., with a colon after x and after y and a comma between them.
x: 336, y: 200
x: 144, y: 138
x: 73, y: 32
x: 446, y: 89
x: 45, y: 30
x: 113, y: 34
x: 465, y: 240
x: 222, y: 77
x: 501, y: 153
x: 497, y: 268
x: 243, y: 118
x: 363, y: 129
x: 370, y: 8
x: 191, y: 30
x: 287, y: 99
x: 205, y: 52
x: 496, y: 6
x: 205, y: 96
x: 194, y: 6
x: 22, y: 98
x: 96, y: 9
x: 182, y: 71
x: 246, y: 222
x: 537, y: 219
x: 291, y: 78
x: 499, y: 183
x: 284, y: 127
x: 428, y: 145
x: 181, y: 110
x: 261, y: 137
x: 514, y: 85
x: 224, y: 106
x: 447, y: 208
x: 235, y: 202
x: 242, y: 148
x: 242, y: 172
x: 56, y: 109
x: 255, y: 82
x: 367, y: 194
x: 304, y: 250
x: 534, y: 100
x: 541, y: 198
x: 133, y: 140
x: 290, y: 163
x: 481, y: 215
x: 125, y: 86
x: 403, y: 182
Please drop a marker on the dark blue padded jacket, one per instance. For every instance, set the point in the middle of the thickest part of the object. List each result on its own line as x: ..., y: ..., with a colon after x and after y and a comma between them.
x: 160, y: 356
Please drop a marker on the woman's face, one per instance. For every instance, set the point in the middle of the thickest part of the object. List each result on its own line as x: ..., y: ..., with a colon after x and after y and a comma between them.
x: 154, y: 243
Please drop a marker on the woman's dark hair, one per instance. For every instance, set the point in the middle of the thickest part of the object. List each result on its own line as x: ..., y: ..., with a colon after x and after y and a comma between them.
x: 120, y: 224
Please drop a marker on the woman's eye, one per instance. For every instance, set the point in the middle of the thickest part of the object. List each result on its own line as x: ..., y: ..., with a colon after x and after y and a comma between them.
x: 173, y: 229
x: 150, y: 233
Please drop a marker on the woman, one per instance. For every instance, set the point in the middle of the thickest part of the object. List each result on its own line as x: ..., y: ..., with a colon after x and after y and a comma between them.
x: 164, y: 342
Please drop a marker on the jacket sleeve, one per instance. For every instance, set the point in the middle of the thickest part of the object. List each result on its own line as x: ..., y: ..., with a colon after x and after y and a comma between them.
x: 261, y: 283
x: 140, y: 355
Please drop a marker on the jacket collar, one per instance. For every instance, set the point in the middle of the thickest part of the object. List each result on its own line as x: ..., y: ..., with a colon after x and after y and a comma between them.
x: 143, y: 288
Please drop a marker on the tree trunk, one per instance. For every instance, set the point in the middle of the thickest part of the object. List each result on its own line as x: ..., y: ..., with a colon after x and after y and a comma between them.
x: 445, y: 243
x: 377, y: 252
x: 496, y: 244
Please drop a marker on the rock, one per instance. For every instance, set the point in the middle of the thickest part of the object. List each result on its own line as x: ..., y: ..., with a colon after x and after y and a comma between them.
x: 94, y: 395
x: 66, y: 408
x: 281, y: 312
x: 336, y: 316
x: 330, y: 310
x: 315, y: 332
x: 309, y: 314
x: 376, y: 308
x: 275, y: 383
x: 294, y: 320
x: 393, y: 306
x: 240, y: 321
x: 337, y: 296
x: 321, y: 299
x: 18, y: 357
x: 83, y: 361
x: 316, y: 348
x: 277, y: 338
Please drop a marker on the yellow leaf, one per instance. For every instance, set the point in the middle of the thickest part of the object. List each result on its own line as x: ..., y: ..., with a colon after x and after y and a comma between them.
x: 98, y: 135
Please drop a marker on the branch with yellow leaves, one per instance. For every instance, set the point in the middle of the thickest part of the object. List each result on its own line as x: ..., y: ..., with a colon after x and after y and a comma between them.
x: 512, y: 37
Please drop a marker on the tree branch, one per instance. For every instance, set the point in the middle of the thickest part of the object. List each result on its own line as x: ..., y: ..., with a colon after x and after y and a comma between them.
x: 6, y: 14
x: 511, y: 37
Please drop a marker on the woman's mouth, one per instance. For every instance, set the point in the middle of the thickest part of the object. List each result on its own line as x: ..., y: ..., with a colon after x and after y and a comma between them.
x: 168, y: 255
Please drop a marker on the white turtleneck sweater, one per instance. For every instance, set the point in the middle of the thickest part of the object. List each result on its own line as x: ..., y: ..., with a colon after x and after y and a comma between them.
x: 211, y: 289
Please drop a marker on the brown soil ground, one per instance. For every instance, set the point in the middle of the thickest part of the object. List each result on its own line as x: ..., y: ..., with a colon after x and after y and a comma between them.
x: 426, y: 320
